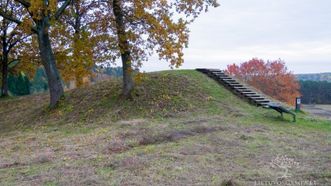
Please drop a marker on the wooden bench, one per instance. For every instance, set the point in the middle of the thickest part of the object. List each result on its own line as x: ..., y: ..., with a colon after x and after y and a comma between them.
x: 281, y: 110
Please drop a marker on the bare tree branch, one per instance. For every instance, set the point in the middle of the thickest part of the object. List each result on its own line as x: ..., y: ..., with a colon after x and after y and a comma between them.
x: 60, y: 11
x: 10, y: 18
x: 18, y: 41
x: 24, y: 3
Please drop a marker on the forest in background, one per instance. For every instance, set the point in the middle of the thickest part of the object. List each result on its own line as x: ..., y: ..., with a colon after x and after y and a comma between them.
x: 20, y: 84
x: 315, y: 92
x: 314, y: 77
x: 315, y: 88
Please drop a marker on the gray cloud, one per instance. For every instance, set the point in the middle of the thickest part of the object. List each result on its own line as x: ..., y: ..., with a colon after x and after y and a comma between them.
x: 297, y: 31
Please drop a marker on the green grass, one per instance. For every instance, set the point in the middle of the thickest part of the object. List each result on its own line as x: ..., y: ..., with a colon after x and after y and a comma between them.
x: 181, y: 127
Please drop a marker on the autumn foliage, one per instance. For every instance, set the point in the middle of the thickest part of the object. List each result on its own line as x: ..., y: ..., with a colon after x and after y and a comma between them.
x: 70, y: 37
x: 271, y: 77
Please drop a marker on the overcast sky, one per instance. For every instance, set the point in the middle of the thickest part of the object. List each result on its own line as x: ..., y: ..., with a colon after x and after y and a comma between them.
x: 297, y: 31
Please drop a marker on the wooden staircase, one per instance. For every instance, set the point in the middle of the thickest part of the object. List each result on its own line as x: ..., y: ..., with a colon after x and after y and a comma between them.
x: 244, y: 91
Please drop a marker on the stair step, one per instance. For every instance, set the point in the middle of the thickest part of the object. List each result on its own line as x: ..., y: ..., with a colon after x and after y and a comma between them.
x: 262, y: 101
x: 266, y: 103
x: 236, y: 85
x: 228, y: 80
x: 254, y: 96
x: 222, y: 76
x: 258, y: 98
x: 215, y: 70
x: 220, y: 73
x: 227, y: 77
x: 238, y: 88
x: 233, y: 83
x: 247, y: 92
x: 242, y: 88
x: 241, y: 91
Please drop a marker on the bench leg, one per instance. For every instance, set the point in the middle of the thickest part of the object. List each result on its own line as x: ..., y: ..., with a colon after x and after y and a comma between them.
x: 294, y: 118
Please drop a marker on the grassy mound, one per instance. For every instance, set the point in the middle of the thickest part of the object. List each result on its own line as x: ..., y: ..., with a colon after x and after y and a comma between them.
x: 158, y: 95
x: 180, y: 128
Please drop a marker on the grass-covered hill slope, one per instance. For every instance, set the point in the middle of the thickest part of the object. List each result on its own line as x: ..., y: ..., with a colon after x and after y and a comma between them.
x: 157, y: 95
x: 180, y: 128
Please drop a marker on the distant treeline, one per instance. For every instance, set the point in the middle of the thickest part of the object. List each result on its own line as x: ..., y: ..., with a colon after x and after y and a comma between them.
x: 110, y: 71
x: 20, y: 84
x: 314, y: 77
x: 316, y: 92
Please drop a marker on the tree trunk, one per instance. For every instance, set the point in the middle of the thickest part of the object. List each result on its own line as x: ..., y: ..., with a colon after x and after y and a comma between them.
x: 48, y: 61
x: 4, y: 70
x: 4, y: 87
x: 124, y: 49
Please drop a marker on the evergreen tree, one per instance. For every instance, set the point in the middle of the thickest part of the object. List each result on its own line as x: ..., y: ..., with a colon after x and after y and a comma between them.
x: 315, y: 92
x: 39, y: 82
x: 19, y: 85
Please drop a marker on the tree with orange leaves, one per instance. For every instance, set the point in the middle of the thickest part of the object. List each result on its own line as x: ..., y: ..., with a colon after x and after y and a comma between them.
x: 129, y: 30
x: 271, y: 77
x: 41, y: 14
x: 11, y: 35
x: 144, y: 27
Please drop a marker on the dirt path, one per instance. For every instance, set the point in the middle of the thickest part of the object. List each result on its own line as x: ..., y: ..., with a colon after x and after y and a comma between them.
x: 319, y: 110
